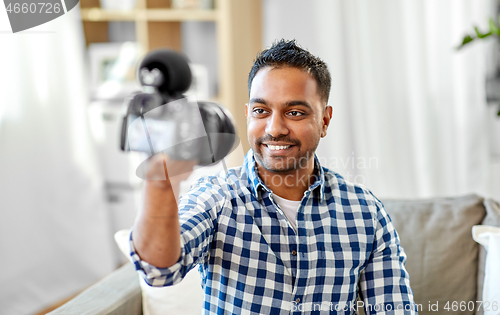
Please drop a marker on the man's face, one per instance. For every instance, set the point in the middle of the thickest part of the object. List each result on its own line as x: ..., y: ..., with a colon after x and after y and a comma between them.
x: 285, y: 119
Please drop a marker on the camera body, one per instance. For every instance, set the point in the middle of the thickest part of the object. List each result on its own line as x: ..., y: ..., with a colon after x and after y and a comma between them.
x: 162, y: 119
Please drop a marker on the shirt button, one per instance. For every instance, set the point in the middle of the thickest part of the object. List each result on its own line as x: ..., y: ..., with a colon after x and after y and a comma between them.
x: 294, y: 253
x: 297, y: 300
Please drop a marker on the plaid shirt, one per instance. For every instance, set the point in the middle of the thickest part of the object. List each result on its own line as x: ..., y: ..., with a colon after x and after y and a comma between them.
x: 251, y: 261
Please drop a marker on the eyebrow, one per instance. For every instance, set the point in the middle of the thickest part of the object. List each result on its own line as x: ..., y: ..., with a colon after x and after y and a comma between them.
x: 287, y: 104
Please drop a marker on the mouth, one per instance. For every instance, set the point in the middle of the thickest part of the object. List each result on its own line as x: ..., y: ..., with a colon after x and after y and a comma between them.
x: 278, y: 148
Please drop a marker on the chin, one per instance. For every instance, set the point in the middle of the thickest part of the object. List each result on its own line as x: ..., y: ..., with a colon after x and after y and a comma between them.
x: 274, y: 169
x: 277, y: 165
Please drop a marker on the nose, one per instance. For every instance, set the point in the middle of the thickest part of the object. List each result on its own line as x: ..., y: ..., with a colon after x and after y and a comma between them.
x: 276, y: 125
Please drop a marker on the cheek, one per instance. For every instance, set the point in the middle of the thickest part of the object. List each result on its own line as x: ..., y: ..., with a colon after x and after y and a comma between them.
x: 310, y: 133
x: 309, y: 130
x: 253, y: 128
x: 255, y: 125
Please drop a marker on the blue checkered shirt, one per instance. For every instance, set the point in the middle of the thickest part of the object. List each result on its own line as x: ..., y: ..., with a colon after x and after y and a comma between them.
x: 251, y: 260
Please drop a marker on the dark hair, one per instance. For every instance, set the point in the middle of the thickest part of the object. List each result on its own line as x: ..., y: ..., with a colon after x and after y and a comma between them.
x: 286, y: 53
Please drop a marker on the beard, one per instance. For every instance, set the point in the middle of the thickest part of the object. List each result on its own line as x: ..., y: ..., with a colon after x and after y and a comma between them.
x: 283, y: 164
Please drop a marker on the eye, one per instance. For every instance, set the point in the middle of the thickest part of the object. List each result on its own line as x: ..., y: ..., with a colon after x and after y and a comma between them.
x: 295, y: 113
x: 259, y: 111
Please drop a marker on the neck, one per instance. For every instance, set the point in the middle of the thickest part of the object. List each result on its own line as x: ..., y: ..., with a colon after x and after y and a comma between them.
x: 290, y: 185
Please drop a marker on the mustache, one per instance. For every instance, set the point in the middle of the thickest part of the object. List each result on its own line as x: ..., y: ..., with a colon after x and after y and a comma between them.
x: 269, y: 138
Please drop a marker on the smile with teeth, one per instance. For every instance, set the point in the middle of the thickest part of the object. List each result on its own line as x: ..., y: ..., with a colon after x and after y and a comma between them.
x: 277, y: 147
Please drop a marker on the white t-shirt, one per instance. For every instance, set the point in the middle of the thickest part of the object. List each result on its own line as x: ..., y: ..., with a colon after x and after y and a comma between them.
x: 290, y: 208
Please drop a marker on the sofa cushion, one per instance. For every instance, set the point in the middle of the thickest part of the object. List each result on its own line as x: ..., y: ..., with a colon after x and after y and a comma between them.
x: 185, y: 297
x: 493, y: 219
x: 442, y: 256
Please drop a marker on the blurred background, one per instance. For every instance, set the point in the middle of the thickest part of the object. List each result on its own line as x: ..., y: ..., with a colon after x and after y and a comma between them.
x: 414, y: 117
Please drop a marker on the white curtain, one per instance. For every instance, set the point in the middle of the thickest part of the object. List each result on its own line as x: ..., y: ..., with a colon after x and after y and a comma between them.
x: 410, y: 116
x: 54, y: 231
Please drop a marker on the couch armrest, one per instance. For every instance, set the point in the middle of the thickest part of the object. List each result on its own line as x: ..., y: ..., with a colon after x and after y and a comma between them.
x: 117, y: 293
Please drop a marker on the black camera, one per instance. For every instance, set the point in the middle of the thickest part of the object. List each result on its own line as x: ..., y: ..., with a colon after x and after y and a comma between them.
x: 162, y: 119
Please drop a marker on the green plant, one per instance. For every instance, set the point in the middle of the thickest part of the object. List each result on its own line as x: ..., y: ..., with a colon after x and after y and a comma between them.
x: 494, y: 30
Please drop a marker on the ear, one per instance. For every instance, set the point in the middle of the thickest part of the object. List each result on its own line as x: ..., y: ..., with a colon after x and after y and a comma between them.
x: 246, y: 110
x: 327, y: 116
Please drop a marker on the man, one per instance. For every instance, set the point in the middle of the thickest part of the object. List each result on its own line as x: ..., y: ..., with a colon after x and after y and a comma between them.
x: 281, y: 234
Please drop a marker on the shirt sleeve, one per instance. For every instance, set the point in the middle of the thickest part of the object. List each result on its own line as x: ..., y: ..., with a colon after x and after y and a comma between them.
x: 385, y: 283
x: 198, y: 211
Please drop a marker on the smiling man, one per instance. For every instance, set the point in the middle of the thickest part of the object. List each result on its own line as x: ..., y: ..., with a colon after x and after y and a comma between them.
x: 286, y: 117
x: 281, y: 234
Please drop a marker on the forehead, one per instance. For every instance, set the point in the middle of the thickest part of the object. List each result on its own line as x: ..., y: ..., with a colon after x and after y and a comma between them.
x: 283, y: 84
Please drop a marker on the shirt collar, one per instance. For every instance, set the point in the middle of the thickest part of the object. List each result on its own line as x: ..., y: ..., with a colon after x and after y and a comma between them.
x: 256, y: 185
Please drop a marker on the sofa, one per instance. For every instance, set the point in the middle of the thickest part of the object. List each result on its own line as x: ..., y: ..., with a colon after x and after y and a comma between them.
x: 445, y: 264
